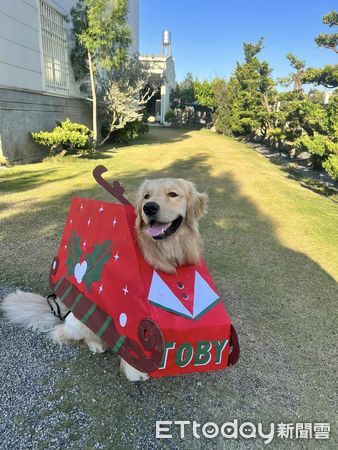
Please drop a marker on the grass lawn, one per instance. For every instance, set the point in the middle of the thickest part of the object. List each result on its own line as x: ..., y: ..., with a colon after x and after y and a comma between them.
x: 272, y: 247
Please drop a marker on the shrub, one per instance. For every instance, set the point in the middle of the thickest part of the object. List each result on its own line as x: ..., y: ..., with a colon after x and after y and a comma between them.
x: 311, y: 117
x: 331, y: 166
x: 244, y: 126
x: 319, y: 146
x: 170, y: 117
x: 67, y: 136
x: 276, y: 136
x: 131, y: 131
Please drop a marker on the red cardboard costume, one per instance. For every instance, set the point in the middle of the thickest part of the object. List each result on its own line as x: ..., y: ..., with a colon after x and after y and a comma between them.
x: 159, y: 323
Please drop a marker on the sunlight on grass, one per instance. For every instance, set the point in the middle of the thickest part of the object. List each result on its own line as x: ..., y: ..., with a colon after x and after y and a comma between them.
x: 35, y: 198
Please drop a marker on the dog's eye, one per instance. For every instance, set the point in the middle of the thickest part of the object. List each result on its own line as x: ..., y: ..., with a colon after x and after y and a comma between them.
x: 146, y: 196
x: 173, y: 194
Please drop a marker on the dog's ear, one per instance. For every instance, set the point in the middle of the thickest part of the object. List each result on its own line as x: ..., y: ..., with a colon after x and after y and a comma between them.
x: 197, y: 204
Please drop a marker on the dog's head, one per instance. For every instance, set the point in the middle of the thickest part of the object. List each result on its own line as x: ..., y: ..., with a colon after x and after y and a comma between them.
x: 166, y: 205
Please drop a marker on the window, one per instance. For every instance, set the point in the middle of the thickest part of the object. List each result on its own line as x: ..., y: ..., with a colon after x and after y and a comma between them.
x: 54, y: 47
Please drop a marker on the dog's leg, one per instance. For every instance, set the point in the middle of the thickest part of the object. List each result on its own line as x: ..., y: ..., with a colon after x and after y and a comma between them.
x: 73, y: 330
x: 131, y: 373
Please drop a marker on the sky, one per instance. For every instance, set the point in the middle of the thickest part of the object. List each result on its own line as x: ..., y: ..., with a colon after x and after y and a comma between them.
x: 207, y: 36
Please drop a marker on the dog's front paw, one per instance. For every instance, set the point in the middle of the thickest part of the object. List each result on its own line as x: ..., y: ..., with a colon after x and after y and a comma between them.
x: 132, y: 374
x: 95, y: 347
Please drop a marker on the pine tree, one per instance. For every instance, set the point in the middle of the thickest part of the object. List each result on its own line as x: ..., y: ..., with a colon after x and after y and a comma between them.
x: 296, y: 77
x: 224, y: 96
x: 254, y: 94
x: 328, y: 75
x: 329, y: 40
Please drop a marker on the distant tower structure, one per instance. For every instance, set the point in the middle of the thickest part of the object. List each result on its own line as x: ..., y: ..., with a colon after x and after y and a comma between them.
x: 166, y: 43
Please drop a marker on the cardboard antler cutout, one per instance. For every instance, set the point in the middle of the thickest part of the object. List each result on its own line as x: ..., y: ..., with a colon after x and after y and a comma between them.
x: 116, y: 190
x: 162, y: 324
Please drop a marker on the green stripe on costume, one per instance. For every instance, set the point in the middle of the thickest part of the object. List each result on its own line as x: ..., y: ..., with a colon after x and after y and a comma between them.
x: 118, y: 344
x: 58, y: 284
x: 66, y: 293
x: 88, y: 314
x: 104, y: 326
x: 76, y: 301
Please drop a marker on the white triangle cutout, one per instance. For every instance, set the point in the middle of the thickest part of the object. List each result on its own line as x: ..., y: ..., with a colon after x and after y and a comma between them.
x: 204, y: 295
x: 161, y: 295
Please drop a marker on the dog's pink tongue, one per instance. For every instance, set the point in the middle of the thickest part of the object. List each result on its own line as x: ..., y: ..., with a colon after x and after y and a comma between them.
x: 158, y: 228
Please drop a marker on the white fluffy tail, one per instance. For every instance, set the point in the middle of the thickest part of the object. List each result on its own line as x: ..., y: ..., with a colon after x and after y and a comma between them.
x: 32, y: 311
x: 29, y: 310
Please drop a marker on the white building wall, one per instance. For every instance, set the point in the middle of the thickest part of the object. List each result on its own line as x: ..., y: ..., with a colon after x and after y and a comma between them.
x: 163, y: 68
x: 20, y: 58
x: 20, y: 47
x: 168, y: 85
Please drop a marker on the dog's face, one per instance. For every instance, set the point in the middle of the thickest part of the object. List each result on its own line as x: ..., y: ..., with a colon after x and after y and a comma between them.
x: 166, y: 205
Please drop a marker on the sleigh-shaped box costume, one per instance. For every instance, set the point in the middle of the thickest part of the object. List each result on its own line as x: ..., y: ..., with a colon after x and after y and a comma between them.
x: 159, y: 323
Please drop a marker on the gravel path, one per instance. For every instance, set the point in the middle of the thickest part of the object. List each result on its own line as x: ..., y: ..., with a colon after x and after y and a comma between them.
x: 29, y: 371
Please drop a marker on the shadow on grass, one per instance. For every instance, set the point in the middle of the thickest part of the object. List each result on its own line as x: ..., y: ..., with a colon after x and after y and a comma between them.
x: 104, y: 153
x: 281, y: 302
x: 18, y: 181
x: 162, y: 135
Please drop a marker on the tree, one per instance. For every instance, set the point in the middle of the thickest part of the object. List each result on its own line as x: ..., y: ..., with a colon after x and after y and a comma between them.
x: 184, y: 93
x: 122, y: 107
x: 303, y: 116
x: 251, y: 50
x: 331, y: 163
x: 127, y: 90
x: 328, y: 40
x: 204, y: 92
x: 332, y: 114
x: 316, y: 96
x: 251, y: 102
x: 328, y: 76
x: 102, y: 39
x: 295, y: 78
x: 79, y: 52
x: 224, y: 95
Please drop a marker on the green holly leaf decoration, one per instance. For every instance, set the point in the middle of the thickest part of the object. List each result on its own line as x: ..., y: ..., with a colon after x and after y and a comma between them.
x: 95, y: 261
x: 74, y: 252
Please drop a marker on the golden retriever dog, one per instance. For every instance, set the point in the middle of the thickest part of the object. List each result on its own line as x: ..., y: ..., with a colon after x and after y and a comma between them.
x: 168, y: 211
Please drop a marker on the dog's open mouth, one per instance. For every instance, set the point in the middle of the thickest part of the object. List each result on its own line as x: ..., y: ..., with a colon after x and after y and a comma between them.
x: 158, y: 230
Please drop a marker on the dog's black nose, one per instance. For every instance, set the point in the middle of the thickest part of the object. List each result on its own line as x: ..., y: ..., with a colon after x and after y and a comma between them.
x: 151, y: 208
